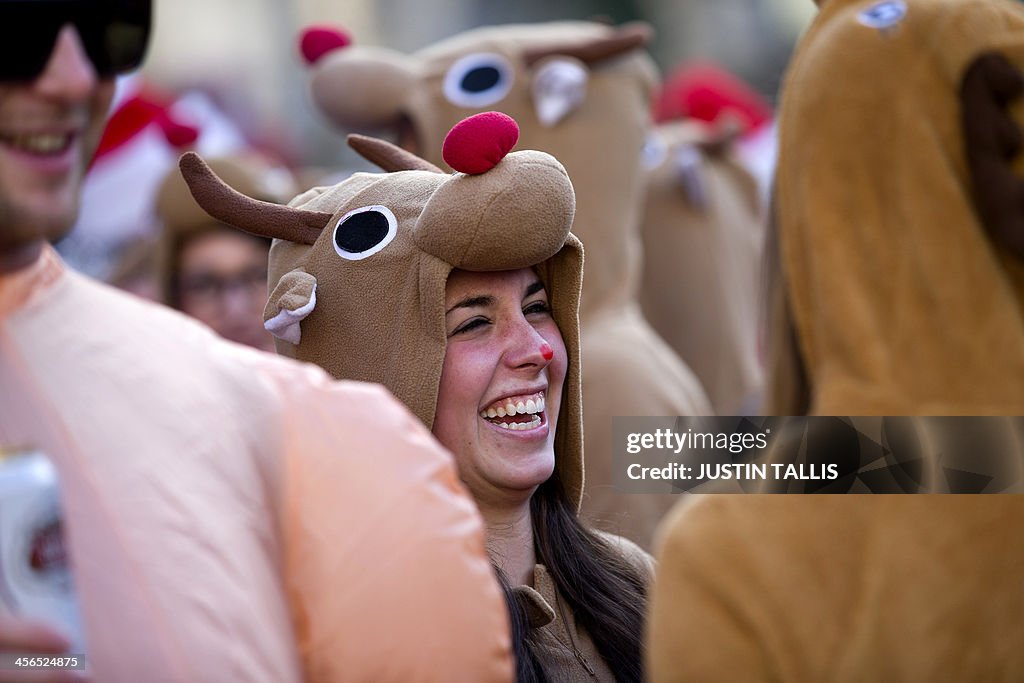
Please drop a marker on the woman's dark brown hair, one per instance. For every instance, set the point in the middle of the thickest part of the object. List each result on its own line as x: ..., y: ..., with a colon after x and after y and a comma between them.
x: 606, y: 594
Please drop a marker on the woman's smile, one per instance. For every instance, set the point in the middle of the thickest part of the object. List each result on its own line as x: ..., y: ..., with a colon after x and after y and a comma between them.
x: 518, y: 413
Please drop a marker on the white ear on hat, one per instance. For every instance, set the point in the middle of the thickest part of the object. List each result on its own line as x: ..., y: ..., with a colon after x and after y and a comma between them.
x: 292, y: 300
x: 559, y: 87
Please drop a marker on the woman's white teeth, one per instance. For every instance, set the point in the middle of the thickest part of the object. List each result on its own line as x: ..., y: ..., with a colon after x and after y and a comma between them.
x: 39, y: 144
x: 520, y: 426
x: 531, y: 406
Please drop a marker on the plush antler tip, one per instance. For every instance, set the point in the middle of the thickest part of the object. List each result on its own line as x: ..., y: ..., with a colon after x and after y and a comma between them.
x: 189, y: 160
x: 476, y: 144
x: 317, y: 41
x: 640, y: 29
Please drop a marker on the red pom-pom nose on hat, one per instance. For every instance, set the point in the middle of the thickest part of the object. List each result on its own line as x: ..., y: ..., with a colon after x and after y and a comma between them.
x: 316, y: 41
x: 476, y: 145
x: 179, y: 134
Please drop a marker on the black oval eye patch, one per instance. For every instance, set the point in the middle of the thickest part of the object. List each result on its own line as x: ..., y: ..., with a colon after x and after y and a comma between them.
x: 480, y: 79
x: 361, y: 231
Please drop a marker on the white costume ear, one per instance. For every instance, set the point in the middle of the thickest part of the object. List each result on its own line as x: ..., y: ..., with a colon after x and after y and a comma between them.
x: 293, y: 299
x: 559, y: 87
x: 686, y: 162
x: 654, y: 151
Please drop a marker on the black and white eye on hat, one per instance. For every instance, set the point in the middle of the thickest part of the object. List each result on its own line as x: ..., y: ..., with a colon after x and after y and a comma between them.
x: 478, y: 80
x: 363, y: 232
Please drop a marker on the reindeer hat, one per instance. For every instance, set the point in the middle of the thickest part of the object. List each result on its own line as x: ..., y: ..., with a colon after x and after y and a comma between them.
x: 358, y: 270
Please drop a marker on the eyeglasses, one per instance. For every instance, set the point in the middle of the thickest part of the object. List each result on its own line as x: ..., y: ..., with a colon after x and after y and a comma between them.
x: 114, y: 33
x: 209, y: 287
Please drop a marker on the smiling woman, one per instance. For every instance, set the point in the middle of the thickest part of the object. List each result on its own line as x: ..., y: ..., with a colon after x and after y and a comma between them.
x: 466, y: 308
x: 501, y: 384
x: 499, y: 402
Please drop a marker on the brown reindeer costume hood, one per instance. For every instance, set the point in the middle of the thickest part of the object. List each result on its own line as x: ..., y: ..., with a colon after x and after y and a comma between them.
x: 702, y: 259
x: 358, y: 270
x: 900, y: 232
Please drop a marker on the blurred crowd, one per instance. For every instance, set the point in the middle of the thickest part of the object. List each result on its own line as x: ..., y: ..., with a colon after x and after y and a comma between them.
x: 522, y: 224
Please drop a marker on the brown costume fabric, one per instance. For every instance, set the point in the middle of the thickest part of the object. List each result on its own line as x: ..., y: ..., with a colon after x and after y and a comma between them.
x: 182, y: 218
x: 903, y: 302
x: 381, y: 319
x: 703, y: 239
x: 802, y: 589
x: 629, y: 369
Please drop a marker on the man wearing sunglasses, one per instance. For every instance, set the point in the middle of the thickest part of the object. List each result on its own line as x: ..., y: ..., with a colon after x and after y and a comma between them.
x: 230, y: 515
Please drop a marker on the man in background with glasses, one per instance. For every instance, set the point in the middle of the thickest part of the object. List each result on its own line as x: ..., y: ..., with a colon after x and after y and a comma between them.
x: 230, y: 515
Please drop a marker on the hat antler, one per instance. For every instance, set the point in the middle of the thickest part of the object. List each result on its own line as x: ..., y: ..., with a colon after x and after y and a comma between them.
x: 265, y: 219
x: 625, y: 38
x: 389, y: 157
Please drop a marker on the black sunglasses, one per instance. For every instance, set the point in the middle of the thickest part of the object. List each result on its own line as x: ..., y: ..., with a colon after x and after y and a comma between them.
x: 114, y: 33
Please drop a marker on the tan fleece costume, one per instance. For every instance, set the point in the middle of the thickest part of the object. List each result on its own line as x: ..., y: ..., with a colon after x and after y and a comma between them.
x: 580, y: 91
x: 703, y: 249
x: 901, y: 301
x: 895, y: 215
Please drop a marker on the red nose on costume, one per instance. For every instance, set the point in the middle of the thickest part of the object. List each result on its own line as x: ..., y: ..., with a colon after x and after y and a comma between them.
x: 316, y: 41
x: 177, y: 133
x: 476, y: 144
x: 546, y: 351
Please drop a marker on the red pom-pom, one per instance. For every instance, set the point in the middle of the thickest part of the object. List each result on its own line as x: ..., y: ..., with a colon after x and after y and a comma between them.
x: 316, y: 41
x: 179, y: 134
x: 476, y: 145
x: 704, y: 91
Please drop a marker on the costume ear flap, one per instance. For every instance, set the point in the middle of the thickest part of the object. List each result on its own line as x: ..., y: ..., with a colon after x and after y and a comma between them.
x: 292, y: 300
x: 623, y: 39
x: 992, y: 139
x: 559, y: 87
